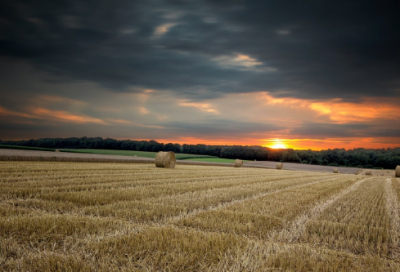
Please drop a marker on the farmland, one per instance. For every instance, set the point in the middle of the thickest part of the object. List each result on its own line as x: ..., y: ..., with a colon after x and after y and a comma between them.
x: 68, y: 216
x: 127, y: 153
x: 146, y: 154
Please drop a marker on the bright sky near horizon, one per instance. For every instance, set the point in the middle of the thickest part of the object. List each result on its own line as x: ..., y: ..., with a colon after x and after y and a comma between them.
x: 282, y: 74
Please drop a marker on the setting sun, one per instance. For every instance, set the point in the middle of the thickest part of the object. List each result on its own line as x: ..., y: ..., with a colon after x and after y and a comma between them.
x: 278, y: 146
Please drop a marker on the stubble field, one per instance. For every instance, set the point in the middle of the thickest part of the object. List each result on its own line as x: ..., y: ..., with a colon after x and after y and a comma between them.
x: 65, y: 216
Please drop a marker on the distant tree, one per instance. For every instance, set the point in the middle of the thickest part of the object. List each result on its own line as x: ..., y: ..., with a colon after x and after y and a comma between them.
x: 387, y: 158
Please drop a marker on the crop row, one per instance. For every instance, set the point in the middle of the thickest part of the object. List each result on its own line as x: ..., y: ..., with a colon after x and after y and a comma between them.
x: 260, y: 216
x: 174, y: 249
x: 108, y: 183
x: 191, y: 218
x: 149, y: 203
x: 359, y: 222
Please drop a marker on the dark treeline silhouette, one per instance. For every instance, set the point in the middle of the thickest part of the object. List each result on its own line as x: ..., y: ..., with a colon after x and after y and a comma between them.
x: 359, y: 157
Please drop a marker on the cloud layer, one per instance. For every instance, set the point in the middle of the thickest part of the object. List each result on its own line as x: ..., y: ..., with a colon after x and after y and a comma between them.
x: 211, y: 71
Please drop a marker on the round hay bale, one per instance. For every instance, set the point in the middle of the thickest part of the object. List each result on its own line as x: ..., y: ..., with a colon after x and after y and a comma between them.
x: 165, y: 159
x: 398, y: 171
x: 335, y: 170
x: 279, y: 165
x: 368, y: 173
x: 57, y: 150
x: 238, y: 163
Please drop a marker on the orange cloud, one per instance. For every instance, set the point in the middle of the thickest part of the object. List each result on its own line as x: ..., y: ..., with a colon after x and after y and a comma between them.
x: 150, y: 126
x: 242, y: 62
x: 143, y: 110
x: 201, y: 106
x: 344, y: 112
x: 59, y: 99
x: 287, y: 101
x: 126, y: 122
x: 143, y: 97
x: 5, y: 112
x: 247, y: 60
x: 119, y: 121
x: 64, y: 116
x: 340, y: 111
x: 162, y: 29
x: 42, y: 113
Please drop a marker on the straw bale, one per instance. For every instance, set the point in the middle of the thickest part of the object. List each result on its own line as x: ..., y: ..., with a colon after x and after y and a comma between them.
x: 398, y: 171
x: 238, y: 163
x: 279, y: 165
x: 335, y: 170
x: 165, y: 159
x: 368, y: 173
x: 57, y: 150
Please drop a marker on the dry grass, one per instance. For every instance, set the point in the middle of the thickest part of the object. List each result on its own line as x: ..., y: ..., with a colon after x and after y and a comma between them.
x: 392, y: 206
x: 257, y: 217
x: 294, y: 231
x: 359, y: 223
x: 130, y: 217
x: 67, y: 159
x: 262, y: 256
x: 52, y: 228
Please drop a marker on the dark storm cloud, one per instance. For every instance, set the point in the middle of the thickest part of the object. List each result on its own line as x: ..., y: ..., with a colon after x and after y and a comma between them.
x: 21, y: 130
x: 344, y: 49
x: 200, y: 128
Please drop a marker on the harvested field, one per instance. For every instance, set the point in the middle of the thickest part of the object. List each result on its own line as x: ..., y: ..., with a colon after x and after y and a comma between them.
x: 68, y: 216
x: 34, y: 155
x: 302, y: 167
x: 377, y: 172
x: 49, y: 154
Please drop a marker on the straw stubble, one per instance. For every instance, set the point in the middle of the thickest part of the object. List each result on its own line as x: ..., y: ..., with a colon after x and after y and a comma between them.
x: 68, y: 216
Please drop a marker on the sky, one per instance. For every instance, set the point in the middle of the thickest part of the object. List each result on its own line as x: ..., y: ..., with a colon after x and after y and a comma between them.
x: 293, y: 74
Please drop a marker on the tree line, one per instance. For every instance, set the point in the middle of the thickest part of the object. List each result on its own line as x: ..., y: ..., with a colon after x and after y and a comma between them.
x: 387, y: 158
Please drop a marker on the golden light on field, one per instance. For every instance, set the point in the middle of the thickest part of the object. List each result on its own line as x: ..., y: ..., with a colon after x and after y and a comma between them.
x: 223, y: 216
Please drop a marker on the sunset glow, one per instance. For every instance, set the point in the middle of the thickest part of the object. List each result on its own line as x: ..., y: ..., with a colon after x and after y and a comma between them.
x: 198, y: 74
x: 227, y: 110
x: 279, y: 139
x: 278, y: 146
